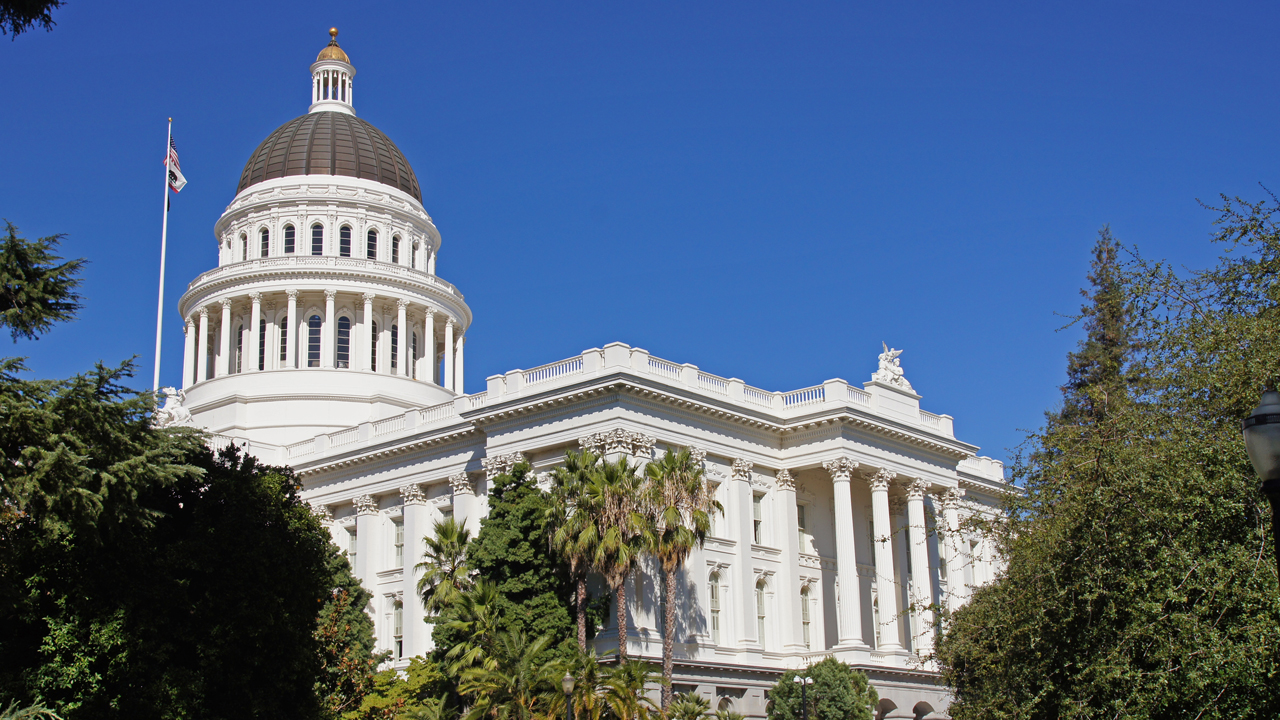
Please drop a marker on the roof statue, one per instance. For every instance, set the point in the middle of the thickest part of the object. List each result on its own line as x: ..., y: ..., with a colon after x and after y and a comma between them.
x: 890, y: 371
x: 173, y: 414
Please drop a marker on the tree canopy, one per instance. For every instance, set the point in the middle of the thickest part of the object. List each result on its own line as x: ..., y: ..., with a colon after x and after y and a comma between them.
x: 838, y: 692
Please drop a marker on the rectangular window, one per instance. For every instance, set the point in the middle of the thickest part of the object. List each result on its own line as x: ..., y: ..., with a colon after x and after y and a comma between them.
x: 262, y: 344
x: 399, y: 543
x: 317, y: 239
x: 397, y: 629
x: 284, y: 341
x: 288, y: 239
x: 395, y: 347
x: 804, y: 530
x: 760, y: 613
x: 757, y: 521
x: 344, y: 241
x: 265, y: 247
x: 351, y: 546
x: 714, y: 589
x: 804, y: 617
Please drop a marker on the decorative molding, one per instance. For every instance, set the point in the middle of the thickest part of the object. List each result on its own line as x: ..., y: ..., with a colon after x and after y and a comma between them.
x: 365, y: 505
x: 699, y: 456
x: 500, y: 464
x: 412, y: 494
x: 330, y: 294
x: 255, y: 298
x: 461, y: 484
x: 784, y: 479
x: 742, y: 469
x: 841, y: 468
x: 292, y: 295
x: 324, y: 512
x: 619, y: 441
x: 917, y: 488
x: 880, y: 481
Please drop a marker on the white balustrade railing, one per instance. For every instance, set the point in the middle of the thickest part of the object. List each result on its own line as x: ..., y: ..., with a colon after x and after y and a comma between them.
x: 757, y: 396
x: 553, y: 371
x: 805, y: 396
x: 713, y: 383
x: 388, y: 425
x: 477, y: 400
x: 300, y: 449
x: 438, y: 413
x: 342, y: 437
x: 859, y: 396
x: 928, y: 419
x: 324, y: 261
x: 664, y: 368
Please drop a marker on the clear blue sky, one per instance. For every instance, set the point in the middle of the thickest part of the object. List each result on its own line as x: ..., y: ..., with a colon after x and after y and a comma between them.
x: 766, y: 190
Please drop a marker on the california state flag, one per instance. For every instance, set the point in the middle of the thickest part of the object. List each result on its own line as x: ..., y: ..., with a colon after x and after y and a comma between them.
x: 176, y: 179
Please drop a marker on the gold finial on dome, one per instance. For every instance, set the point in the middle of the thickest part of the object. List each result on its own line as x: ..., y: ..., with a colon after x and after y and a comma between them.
x: 332, y: 51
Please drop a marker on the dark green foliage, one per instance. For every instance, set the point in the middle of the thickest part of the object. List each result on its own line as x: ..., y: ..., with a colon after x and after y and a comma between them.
x: 19, y: 16
x: 37, y: 288
x: 1141, y: 581
x: 421, y: 692
x: 838, y: 692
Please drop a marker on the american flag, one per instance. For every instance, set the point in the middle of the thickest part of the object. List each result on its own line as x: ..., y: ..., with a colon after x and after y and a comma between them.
x: 176, y: 180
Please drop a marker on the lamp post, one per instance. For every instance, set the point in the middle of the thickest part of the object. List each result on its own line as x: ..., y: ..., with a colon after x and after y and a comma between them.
x: 566, y: 683
x: 805, y: 682
x: 1262, y: 440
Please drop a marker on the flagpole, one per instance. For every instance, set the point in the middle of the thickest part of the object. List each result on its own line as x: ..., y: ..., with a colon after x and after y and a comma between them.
x: 164, y: 238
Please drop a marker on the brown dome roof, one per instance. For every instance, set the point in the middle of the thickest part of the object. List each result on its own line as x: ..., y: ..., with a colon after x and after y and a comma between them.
x: 330, y: 143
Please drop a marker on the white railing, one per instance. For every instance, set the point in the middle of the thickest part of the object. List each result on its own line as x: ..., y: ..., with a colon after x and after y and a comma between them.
x: 713, y: 383
x: 989, y: 468
x: 436, y: 413
x: 324, y: 261
x: 757, y: 396
x: 928, y: 419
x: 300, y: 449
x: 388, y: 425
x: 477, y: 400
x: 805, y: 396
x: 342, y: 437
x: 664, y: 368
x: 859, y: 396
x: 553, y: 371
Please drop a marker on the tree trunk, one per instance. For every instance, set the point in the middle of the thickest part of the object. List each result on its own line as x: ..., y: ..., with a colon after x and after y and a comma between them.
x: 668, y: 636
x: 582, y: 613
x: 620, y: 610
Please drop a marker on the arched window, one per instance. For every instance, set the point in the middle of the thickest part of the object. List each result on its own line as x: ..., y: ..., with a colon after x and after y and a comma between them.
x: 395, y: 347
x: 284, y: 340
x: 395, y: 249
x: 373, y: 348
x: 413, y: 257
x: 239, y: 364
x: 344, y: 241
x: 760, y: 611
x: 413, y: 356
x: 804, y: 614
x: 244, y: 246
x: 371, y: 245
x: 344, y: 342
x: 288, y: 239
x: 262, y: 344
x: 264, y: 244
x: 313, y: 340
x: 317, y: 239
x: 713, y: 591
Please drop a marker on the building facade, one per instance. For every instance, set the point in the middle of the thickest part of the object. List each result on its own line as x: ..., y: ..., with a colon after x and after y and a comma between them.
x: 325, y: 340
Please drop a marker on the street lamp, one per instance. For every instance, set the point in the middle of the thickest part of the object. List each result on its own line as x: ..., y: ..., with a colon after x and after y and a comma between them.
x: 1262, y: 440
x: 805, y: 682
x: 566, y: 683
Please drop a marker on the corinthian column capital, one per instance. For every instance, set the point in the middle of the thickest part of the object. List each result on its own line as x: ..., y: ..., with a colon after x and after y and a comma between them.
x: 841, y: 468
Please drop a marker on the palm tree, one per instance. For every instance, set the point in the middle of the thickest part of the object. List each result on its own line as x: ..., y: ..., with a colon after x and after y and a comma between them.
x: 590, y: 689
x: 615, y: 493
x: 679, y: 504
x: 626, y: 695
x: 576, y: 534
x: 445, y: 572
x: 519, y: 685
x: 475, y: 617
x: 688, y: 706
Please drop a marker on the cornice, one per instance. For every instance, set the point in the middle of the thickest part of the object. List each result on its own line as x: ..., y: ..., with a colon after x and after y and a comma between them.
x: 384, y: 453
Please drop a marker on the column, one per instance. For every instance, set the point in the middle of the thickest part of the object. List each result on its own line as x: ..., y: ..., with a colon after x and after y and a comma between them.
x: 882, y: 537
x: 427, y: 373
x: 255, y: 319
x: 788, y: 587
x: 366, y: 333
x: 402, y: 342
x: 921, y: 578
x: 202, y: 347
x: 447, y: 381
x: 366, y: 568
x: 224, y: 346
x: 956, y: 592
x: 291, y: 331
x: 464, y: 496
x: 459, y: 379
x: 327, y: 333
x: 431, y: 261
x: 849, y: 602
x: 189, y: 354
x: 739, y: 497
x: 417, y: 525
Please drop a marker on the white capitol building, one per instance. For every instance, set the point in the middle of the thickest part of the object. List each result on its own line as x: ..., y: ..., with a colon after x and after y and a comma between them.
x: 325, y: 340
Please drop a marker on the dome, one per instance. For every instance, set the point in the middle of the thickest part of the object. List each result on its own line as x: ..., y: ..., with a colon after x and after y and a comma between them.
x: 330, y: 143
x: 332, y: 51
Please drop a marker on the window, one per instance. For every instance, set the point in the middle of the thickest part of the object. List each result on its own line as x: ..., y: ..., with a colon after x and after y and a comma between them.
x: 244, y: 246
x: 371, y: 245
x: 395, y: 248
x: 373, y: 349
x: 803, y: 527
x: 397, y: 628
x: 395, y: 347
x: 714, y: 592
x: 399, y: 543
x: 284, y: 340
x: 757, y: 522
x: 760, y: 611
x: 344, y: 342
x: 413, y: 356
x: 239, y: 364
x: 288, y: 239
x: 344, y: 241
x: 413, y: 257
x: 264, y: 246
x: 313, y: 340
x: 317, y: 239
x: 351, y: 546
x: 262, y: 344
x: 804, y: 615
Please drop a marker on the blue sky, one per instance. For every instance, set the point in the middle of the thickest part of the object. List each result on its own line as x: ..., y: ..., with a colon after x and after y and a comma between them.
x: 767, y: 190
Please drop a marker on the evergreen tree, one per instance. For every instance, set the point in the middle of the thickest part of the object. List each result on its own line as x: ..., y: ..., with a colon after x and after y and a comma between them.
x: 838, y: 692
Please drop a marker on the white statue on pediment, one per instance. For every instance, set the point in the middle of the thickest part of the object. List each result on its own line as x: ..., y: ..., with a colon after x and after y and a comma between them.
x: 890, y: 371
x: 173, y: 414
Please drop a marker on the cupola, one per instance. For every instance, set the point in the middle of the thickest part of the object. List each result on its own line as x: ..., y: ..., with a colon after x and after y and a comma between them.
x: 331, y: 76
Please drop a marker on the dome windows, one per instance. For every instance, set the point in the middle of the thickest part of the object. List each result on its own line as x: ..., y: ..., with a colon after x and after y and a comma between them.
x: 288, y: 240
x: 373, y: 348
x: 317, y: 239
x: 264, y: 245
x: 343, y: 359
x: 314, y: 324
x: 371, y: 245
x: 344, y: 241
x: 395, y: 249
x: 244, y: 246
